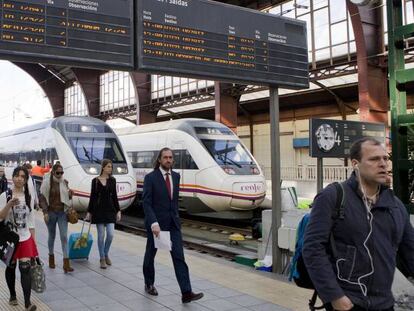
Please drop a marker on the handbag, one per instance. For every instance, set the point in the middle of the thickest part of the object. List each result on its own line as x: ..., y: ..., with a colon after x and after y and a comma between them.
x: 8, y: 243
x: 43, y: 203
x: 72, y: 215
x: 37, y: 275
x: 8, y: 238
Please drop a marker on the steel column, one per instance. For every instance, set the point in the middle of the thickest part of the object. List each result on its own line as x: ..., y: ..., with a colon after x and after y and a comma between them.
x: 142, y: 83
x: 276, y: 191
x: 226, y: 105
x: 372, y: 77
x: 89, y: 82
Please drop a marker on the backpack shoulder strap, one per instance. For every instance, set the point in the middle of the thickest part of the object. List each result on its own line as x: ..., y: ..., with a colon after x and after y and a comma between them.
x: 340, y: 201
x: 339, y: 213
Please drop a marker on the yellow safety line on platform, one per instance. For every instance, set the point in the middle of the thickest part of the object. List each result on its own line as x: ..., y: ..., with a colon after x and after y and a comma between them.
x: 4, y: 296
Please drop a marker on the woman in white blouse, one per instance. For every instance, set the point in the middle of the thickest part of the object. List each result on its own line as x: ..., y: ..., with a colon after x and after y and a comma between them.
x: 16, y: 207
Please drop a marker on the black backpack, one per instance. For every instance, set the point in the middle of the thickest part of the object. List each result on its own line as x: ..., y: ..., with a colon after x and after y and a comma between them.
x: 298, y: 271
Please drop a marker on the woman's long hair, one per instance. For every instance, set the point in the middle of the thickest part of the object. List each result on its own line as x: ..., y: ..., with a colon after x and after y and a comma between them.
x: 27, y: 196
x: 104, y: 163
x: 158, y: 160
x: 4, y: 174
x: 54, y: 169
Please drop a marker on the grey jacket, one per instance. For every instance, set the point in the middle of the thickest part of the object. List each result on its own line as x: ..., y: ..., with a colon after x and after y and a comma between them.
x: 351, y: 273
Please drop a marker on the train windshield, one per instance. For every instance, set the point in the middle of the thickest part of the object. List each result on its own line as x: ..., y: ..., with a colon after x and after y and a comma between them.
x: 93, y: 150
x: 228, y: 152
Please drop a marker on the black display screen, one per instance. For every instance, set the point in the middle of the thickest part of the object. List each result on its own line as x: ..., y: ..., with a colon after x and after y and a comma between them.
x: 207, y: 39
x: 91, y: 33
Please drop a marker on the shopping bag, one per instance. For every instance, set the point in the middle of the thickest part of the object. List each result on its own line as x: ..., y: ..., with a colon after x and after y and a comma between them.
x: 38, y: 276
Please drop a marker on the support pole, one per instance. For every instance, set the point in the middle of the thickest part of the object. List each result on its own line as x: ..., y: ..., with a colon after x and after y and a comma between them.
x: 276, y: 193
x: 319, y: 175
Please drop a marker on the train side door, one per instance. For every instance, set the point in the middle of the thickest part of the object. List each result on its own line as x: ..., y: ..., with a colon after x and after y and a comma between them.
x: 178, y: 149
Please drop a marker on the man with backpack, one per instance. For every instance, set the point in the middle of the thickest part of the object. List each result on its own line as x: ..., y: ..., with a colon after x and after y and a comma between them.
x: 350, y: 255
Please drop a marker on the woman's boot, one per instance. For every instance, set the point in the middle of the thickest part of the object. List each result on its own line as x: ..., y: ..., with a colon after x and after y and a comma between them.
x: 52, y: 262
x: 66, y: 265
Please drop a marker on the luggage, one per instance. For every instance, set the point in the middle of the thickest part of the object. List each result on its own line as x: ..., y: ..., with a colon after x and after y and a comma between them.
x: 80, y: 244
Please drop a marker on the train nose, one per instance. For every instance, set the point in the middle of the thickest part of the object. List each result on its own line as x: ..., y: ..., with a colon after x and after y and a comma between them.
x: 247, y: 195
x: 126, y: 193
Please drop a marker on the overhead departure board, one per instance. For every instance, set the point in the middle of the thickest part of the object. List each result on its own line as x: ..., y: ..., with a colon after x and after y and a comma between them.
x: 334, y: 138
x: 208, y: 39
x: 92, y: 33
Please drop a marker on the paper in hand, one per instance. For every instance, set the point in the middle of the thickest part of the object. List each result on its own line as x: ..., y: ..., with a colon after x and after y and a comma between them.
x: 163, y: 241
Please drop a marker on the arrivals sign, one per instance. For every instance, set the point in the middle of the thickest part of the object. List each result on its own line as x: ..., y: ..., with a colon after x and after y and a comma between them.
x: 91, y: 33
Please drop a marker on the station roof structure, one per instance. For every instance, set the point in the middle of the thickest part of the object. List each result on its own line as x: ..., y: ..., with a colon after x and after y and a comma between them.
x: 331, y: 80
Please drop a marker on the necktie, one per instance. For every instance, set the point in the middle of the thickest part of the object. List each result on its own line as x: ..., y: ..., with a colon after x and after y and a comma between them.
x: 168, y: 184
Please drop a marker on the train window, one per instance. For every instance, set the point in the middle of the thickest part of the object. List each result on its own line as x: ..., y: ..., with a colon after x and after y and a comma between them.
x: 188, y: 161
x: 143, y: 159
x: 213, y: 130
x: 93, y: 150
x: 84, y: 128
x: 177, y: 159
x: 227, y: 152
x: 132, y: 157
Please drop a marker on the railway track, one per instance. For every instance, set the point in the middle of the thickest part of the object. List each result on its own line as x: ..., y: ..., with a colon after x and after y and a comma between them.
x: 246, y: 232
x: 134, y: 226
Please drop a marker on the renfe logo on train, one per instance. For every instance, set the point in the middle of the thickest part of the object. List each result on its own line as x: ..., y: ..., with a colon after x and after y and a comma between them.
x: 252, y: 188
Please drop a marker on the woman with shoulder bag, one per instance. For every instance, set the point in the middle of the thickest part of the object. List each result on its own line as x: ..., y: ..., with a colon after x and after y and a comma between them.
x: 103, y: 210
x: 55, y: 203
x: 17, y: 209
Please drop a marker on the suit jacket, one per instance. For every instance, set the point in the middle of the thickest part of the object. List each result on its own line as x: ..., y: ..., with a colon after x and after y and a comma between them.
x: 158, y: 207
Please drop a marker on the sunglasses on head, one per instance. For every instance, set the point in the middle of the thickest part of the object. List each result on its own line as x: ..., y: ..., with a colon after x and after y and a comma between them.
x: 59, y: 173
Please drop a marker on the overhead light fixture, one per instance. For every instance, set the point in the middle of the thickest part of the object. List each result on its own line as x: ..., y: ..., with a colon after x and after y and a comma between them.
x: 364, y: 2
x: 300, y: 6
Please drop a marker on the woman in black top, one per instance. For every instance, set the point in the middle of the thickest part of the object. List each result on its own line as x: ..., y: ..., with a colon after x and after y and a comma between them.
x: 3, y: 180
x: 103, y: 210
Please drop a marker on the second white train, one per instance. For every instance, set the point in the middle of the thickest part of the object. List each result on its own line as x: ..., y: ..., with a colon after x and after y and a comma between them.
x: 219, y: 176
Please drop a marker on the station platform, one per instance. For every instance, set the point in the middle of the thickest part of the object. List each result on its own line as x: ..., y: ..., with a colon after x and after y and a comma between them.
x: 226, y: 285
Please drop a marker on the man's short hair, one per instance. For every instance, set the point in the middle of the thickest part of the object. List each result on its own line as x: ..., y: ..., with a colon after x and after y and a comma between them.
x: 39, y: 162
x: 355, y: 151
x: 27, y: 166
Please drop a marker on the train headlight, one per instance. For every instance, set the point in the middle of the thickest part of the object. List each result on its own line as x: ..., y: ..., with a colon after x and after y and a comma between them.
x: 92, y: 170
x: 229, y: 170
x: 122, y: 170
x: 255, y: 171
x: 86, y: 128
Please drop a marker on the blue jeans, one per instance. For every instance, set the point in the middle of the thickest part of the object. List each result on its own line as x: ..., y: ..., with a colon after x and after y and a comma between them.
x: 104, y: 245
x: 61, y: 219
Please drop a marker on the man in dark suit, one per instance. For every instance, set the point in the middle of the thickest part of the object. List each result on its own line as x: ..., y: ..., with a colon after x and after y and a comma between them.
x: 160, y: 200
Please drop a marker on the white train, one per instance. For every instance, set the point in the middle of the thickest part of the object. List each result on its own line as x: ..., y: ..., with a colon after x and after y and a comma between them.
x: 79, y: 143
x: 218, y: 173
